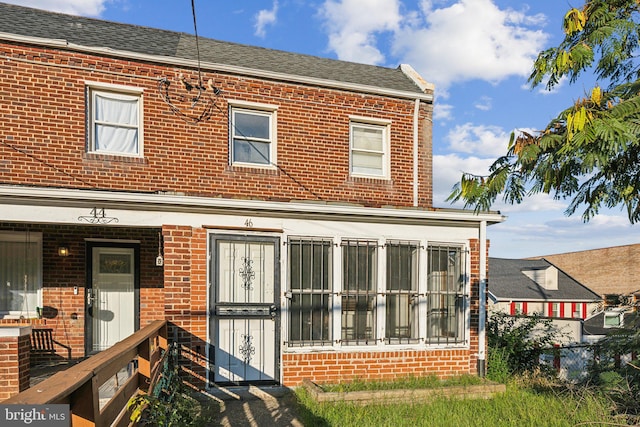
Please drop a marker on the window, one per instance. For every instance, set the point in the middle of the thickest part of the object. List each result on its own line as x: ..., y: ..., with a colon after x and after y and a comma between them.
x: 518, y: 308
x: 114, y: 120
x: 253, y: 136
x: 554, y: 309
x: 359, y: 281
x: 613, y: 319
x: 369, y: 149
x: 20, y: 273
x: 577, y: 310
x: 446, y: 299
x: 401, y: 299
x: 310, y: 272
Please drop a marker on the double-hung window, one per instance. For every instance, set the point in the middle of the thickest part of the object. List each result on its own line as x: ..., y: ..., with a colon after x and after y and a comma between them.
x: 253, y: 135
x: 369, y: 148
x: 446, y: 298
x: 114, y: 120
x: 310, y: 276
x: 401, y: 297
x: 359, y: 285
x: 20, y: 273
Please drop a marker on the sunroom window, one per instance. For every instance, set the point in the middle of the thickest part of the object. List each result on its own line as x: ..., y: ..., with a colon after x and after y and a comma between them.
x: 359, y: 281
x: 446, y: 299
x: 310, y: 272
x: 401, y: 298
x: 20, y: 273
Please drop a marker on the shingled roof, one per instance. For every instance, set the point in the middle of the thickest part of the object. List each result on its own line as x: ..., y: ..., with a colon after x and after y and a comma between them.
x: 508, y: 282
x: 90, y: 32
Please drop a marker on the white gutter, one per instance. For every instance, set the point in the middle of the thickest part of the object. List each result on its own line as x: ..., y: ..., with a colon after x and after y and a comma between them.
x: 416, y: 128
x: 214, y: 67
x: 482, y: 294
x: 41, y: 196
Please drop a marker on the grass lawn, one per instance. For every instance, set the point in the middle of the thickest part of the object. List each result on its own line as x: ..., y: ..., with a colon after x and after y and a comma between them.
x: 520, y: 405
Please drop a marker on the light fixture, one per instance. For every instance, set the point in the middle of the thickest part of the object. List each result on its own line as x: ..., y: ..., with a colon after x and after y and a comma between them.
x: 63, y: 251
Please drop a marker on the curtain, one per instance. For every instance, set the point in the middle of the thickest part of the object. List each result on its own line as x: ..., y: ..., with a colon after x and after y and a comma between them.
x: 116, y: 123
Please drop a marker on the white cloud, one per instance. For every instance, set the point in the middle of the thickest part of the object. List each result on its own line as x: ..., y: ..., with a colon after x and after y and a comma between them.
x: 485, y: 103
x: 72, y: 7
x: 442, y: 111
x: 483, y: 140
x: 470, y: 39
x: 265, y: 17
x: 352, y: 26
x: 448, y: 169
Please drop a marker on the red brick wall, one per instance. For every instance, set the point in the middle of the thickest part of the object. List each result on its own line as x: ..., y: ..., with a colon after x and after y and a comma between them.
x: 14, y: 365
x: 44, y: 117
x: 185, y: 276
x: 64, y: 310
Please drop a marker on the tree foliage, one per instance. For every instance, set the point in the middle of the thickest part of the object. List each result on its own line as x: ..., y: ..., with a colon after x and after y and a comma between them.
x: 589, y: 153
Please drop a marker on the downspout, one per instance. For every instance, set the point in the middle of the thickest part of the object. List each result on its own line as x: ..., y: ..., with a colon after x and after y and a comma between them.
x: 482, y: 295
x: 416, y: 128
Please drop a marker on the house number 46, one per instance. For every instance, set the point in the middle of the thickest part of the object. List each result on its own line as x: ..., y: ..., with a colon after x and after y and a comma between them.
x: 248, y: 223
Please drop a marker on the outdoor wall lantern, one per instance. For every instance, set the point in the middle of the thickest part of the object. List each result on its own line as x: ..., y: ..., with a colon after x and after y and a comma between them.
x: 63, y: 251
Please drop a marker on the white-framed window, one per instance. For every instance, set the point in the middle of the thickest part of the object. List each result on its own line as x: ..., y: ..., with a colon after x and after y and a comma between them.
x: 446, y: 296
x: 20, y: 273
x: 554, y: 309
x: 369, y: 148
x: 401, y: 296
x: 114, y: 117
x: 359, y: 291
x: 577, y: 310
x: 310, y: 290
x: 518, y: 308
x: 252, y: 134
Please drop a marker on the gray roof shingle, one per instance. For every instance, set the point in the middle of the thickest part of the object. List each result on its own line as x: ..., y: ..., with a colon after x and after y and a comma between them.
x: 151, y: 41
x: 508, y: 282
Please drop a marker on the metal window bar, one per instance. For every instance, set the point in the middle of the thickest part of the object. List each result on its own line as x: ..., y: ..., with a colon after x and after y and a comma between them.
x: 359, y: 273
x: 401, y: 296
x: 310, y: 287
x: 446, y: 299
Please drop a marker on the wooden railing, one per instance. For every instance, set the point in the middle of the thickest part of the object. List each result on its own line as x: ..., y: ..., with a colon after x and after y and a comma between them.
x: 79, y: 386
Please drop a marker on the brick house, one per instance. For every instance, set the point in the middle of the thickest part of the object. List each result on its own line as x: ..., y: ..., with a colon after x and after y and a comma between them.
x: 275, y: 208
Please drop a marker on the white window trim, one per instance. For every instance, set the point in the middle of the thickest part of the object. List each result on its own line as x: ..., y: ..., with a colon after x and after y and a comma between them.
x: 372, y: 122
x: 21, y: 236
x: 256, y: 108
x: 93, y: 88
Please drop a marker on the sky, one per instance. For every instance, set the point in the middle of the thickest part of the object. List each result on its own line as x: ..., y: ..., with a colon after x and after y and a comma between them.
x: 478, y: 53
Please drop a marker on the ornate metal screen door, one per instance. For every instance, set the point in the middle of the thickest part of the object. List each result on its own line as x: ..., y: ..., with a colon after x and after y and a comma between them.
x: 245, y: 310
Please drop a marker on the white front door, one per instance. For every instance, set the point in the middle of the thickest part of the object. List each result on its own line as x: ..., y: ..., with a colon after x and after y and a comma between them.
x: 110, y: 296
x: 245, y: 315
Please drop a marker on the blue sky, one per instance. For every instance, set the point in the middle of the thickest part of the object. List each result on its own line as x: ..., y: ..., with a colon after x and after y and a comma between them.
x: 478, y: 53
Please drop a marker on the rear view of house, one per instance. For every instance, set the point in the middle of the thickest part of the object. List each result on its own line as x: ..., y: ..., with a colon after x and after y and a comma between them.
x: 275, y: 208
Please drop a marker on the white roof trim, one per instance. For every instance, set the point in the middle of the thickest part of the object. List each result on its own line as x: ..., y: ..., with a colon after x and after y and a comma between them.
x: 170, y: 60
x: 40, y: 196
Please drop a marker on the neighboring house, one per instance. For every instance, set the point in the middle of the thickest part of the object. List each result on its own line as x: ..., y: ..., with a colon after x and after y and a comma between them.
x: 275, y: 208
x: 607, y: 321
x: 606, y: 271
x: 518, y: 286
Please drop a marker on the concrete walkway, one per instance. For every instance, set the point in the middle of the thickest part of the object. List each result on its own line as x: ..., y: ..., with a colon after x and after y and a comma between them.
x: 254, y: 407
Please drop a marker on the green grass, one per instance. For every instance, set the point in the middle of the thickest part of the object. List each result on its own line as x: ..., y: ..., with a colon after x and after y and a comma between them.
x: 520, y: 405
x: 430, y: 381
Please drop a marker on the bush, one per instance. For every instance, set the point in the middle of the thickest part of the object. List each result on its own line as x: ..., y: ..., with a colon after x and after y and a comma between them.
x: 516, y: 342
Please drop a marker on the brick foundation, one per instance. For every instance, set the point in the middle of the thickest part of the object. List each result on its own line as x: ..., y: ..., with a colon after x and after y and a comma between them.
x: 373, y: 365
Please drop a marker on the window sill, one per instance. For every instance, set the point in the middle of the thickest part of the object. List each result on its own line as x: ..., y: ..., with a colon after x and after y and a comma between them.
x: 370, y: 179
x: 114, y: 158
x: 259, y: 170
